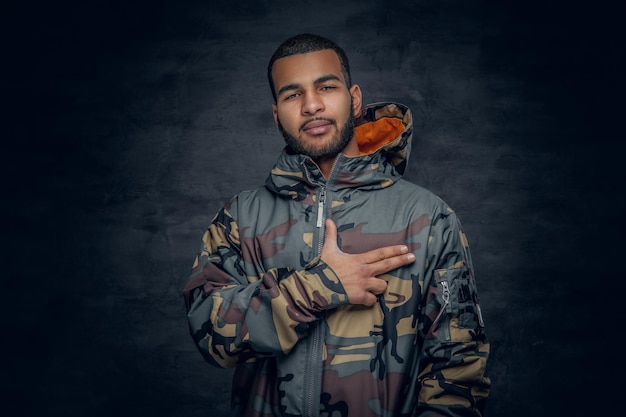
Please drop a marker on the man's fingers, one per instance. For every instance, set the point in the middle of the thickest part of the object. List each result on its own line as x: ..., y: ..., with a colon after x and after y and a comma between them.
x: 377, y: 286
x: 373, y: 288
x: 383, y: 253
x: 385, y: 259
x: 369, y: 299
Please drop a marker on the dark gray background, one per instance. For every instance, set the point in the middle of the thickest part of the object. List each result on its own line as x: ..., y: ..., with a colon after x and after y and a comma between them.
x: 128, y: 124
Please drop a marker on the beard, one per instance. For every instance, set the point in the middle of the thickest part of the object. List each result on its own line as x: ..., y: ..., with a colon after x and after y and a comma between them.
x: 331, y: 149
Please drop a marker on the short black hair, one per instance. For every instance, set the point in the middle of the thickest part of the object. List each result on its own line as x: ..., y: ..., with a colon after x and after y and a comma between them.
x: 302, y: 44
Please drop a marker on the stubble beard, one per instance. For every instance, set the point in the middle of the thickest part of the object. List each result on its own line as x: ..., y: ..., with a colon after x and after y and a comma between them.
x: 331, y: 149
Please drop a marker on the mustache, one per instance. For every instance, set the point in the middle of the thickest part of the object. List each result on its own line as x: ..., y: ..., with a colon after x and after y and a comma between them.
x: 313, y: 119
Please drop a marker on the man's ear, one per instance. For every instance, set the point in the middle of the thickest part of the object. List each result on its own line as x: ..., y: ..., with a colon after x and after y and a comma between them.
x: 357, y: 98
x: 275, y: 113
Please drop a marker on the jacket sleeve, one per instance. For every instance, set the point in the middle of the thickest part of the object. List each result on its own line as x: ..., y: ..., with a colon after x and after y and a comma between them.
x: 455, y: 349
x: 234, y: 317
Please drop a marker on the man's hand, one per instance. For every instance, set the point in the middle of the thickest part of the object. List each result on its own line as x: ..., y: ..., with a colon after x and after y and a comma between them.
x: 358, y: 272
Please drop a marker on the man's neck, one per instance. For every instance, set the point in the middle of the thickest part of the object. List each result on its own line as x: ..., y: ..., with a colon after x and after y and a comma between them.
x: 326, y: 164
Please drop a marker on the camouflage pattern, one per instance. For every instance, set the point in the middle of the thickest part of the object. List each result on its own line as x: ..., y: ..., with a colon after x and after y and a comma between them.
x: 260, y: 299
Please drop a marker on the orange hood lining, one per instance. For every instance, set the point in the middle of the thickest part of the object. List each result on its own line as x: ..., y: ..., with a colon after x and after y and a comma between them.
x: 372, y: 135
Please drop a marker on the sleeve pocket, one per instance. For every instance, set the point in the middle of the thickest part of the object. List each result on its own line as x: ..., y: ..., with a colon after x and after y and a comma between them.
x: 457, y: 291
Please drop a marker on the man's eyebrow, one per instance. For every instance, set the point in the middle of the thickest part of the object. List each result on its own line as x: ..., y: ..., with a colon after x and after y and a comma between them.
x: 287, y: 88
x: 320, y: 80
x: 329, y: 77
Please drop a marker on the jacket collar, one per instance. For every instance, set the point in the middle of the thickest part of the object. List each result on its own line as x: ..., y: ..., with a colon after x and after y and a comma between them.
x: 384, y: 133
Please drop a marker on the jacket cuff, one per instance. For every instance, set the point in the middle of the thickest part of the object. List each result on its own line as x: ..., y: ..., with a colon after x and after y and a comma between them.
x: 326, y: 288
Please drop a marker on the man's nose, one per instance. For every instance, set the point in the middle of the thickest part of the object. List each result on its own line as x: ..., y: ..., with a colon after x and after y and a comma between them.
x: 312, y: 103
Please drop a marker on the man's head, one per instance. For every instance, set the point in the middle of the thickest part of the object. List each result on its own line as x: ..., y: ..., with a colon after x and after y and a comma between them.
x: 315, y: 101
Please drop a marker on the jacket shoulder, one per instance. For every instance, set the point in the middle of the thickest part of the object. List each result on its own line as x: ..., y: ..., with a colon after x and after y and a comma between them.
x: 420, y: 196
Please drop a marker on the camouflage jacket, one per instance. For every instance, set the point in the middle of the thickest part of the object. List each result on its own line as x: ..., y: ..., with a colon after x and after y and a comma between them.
x: 260, y: 298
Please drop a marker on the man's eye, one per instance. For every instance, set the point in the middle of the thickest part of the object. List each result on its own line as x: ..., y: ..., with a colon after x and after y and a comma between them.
x: 328, y: 87
x: 291, y: 96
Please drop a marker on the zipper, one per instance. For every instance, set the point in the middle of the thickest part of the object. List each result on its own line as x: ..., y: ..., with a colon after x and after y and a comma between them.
x: 445, y: 295
x: 313, y: 374
x: 446, y: 307
x: 446, y: 304
x: 313, y: 365
x: 313, y: 368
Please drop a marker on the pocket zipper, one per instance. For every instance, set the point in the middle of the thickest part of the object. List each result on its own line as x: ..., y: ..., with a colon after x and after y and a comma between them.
x: 445, y: 296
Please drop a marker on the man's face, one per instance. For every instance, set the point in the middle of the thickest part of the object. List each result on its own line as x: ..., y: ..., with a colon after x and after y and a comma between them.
x: 314, y: 109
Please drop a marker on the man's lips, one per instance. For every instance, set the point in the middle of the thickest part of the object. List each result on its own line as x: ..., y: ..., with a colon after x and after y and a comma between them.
x: 317, y: 127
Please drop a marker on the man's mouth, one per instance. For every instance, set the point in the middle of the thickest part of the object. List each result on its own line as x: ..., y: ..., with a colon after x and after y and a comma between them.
x: 317, y: 126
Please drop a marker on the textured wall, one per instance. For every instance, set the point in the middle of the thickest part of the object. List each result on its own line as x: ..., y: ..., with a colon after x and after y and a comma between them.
x: 129, y: 125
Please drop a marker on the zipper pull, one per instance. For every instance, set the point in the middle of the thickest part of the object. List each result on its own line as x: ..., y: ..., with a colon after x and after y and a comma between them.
x: 320, y: 207
x: 446, y: 294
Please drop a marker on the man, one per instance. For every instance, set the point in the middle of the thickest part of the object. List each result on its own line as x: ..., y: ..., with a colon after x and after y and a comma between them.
x: 338, y: 288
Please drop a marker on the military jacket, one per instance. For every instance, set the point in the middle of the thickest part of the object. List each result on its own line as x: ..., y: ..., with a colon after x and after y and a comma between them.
x: 261, y: 299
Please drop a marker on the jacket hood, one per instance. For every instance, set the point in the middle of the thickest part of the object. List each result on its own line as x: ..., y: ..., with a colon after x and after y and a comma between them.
x: 384, y: 132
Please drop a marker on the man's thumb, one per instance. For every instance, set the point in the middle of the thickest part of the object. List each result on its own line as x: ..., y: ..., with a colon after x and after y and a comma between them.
x: 330, y: 238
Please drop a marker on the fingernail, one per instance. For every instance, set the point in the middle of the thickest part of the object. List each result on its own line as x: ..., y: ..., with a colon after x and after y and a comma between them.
x: 404, y: 249
x: 410, y: 257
